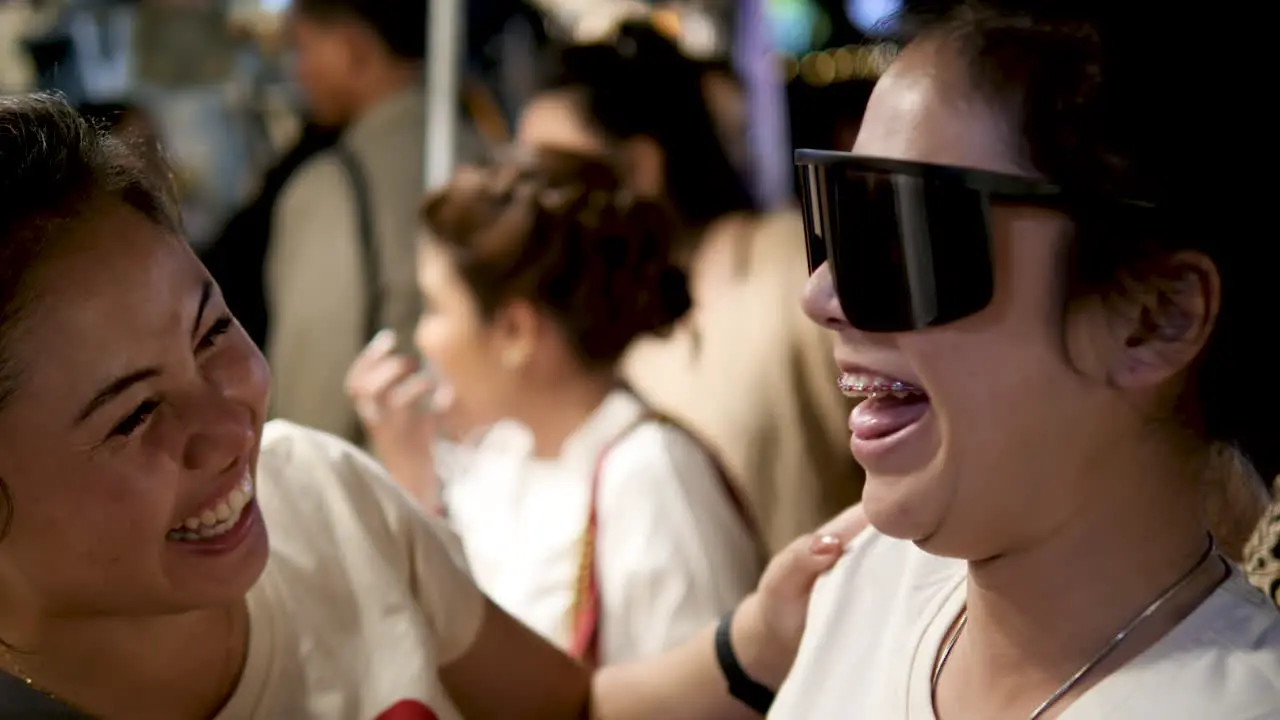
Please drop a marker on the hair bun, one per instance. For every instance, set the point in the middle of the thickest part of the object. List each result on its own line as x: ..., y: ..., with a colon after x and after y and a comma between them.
x: 561, y: 230
x: 651, y: 293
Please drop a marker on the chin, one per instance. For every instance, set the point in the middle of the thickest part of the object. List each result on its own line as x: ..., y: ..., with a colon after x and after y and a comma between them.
x: 904, y: 507
x: 213, y: 576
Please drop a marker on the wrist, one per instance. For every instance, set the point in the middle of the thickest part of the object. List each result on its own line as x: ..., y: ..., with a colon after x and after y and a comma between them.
x: 763, y: 657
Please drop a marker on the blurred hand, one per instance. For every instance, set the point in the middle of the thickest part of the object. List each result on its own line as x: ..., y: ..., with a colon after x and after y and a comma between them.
x: 775, y: 617
x: 391, y: 398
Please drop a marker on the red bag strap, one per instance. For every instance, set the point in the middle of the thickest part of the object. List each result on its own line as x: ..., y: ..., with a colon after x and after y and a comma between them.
x: 584, y: 615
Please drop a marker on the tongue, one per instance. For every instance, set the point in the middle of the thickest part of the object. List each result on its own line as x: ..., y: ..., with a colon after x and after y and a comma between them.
x: 876, y: 418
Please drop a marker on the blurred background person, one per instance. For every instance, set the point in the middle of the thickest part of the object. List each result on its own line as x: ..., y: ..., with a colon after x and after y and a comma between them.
x: 237, y: 256
x: 745, y: 367
x: 608, y: 528
x: 341, y: 257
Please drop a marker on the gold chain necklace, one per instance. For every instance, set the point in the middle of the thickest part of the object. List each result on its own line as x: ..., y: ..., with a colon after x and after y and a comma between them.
x: 20, y: 672
x: 1106, y: 651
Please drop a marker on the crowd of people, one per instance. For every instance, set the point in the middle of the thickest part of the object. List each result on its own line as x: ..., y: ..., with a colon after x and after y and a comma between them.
x: 585, y: 433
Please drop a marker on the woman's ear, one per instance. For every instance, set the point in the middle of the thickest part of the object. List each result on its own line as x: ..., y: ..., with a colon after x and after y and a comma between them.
x: 1163, y: 319
x: 516, y: 328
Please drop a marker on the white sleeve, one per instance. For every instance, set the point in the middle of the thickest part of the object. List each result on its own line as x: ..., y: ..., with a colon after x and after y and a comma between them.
x: 673, y: 554
x: 338, y: 500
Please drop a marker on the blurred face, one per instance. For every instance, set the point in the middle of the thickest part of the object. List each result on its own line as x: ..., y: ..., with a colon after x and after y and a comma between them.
x: 325, y: 67
x: 468, y: 354
x: 130, y: 441
x: 556, y: 120
x: 997, y: 451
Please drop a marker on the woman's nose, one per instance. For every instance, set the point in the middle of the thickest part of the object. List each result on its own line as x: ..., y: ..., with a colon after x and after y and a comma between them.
x: 221, y: 431
x: 820, y: 302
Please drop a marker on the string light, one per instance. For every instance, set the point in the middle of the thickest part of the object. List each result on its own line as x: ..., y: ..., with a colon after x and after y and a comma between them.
x: 825, y: 67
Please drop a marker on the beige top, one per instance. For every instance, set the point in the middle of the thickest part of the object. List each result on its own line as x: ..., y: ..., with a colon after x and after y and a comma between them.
x: 878, y: 620
x: 315, y: 281
x: 753, y: 375
x: 364, y: 597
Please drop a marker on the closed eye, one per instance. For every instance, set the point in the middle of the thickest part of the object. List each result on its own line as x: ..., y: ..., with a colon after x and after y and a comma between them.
x: 143, y: 412
x: 215, y: 331
x: 135, y: 419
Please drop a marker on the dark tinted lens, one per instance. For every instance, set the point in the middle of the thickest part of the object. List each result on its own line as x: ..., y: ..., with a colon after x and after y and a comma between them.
x: 813, y: 186
x: 905, y: 252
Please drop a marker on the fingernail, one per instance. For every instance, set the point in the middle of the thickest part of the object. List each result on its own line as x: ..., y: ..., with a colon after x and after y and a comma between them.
x: 386, y: 337
x: 825, y: 544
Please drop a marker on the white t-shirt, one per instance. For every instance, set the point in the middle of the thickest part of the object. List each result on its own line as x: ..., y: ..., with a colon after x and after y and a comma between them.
x: 363, y: 599
x: 672, y: 554
x: 877, y: 620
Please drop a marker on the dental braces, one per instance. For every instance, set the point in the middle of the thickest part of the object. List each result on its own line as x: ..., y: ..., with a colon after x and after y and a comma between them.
x: 874, y: 390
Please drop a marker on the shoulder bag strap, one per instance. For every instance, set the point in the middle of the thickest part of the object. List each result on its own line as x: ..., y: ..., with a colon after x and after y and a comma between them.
x: 584, y: 615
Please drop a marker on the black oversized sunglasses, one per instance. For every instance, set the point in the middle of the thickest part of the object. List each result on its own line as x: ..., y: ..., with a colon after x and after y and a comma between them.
x: 908, y: 244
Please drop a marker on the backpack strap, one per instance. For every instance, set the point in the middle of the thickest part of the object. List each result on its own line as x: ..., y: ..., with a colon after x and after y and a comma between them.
x: 370, y: 258
x: 584, y: 613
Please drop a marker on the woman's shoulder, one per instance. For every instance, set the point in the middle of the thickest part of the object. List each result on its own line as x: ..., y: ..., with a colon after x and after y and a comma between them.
x: 318, y: 488
x: 659, y: 467
x: 342, y: 531
x: 1234, y: 639
x: 661, y: 450
x: 881, y: 586
x: 299, y: 462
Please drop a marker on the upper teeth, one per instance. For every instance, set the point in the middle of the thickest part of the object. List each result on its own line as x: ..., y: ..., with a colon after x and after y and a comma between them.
x: 862, y: 385
x: 219, y: 517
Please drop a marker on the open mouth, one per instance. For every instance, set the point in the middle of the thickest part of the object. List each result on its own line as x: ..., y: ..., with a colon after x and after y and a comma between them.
x: 219, y: 518
x: 888, y: 405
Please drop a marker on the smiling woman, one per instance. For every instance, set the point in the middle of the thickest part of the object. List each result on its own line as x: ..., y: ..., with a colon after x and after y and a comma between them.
x: 140, y: 480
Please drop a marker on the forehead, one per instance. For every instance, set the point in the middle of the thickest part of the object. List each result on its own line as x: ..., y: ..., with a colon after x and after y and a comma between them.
x: 924, y: 109
x: 106, y: 297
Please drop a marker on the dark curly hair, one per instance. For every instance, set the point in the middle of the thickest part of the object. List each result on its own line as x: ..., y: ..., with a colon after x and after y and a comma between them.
x: 1098, y: 102
x: 560, y: 230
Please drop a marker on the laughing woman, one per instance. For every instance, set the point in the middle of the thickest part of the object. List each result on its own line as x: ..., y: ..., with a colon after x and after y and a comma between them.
x: 1047, y: 320
x: 164, y: 554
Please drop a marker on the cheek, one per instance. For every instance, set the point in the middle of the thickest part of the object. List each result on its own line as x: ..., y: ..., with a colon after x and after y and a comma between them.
x: 453, y: 347
x: 103, y: 519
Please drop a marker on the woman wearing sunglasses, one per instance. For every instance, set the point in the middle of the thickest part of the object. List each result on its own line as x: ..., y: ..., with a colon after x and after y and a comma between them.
x: 1045, y: 320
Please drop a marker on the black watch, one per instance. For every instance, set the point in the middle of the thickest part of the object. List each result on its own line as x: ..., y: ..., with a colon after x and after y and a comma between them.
x: 741, y: 686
